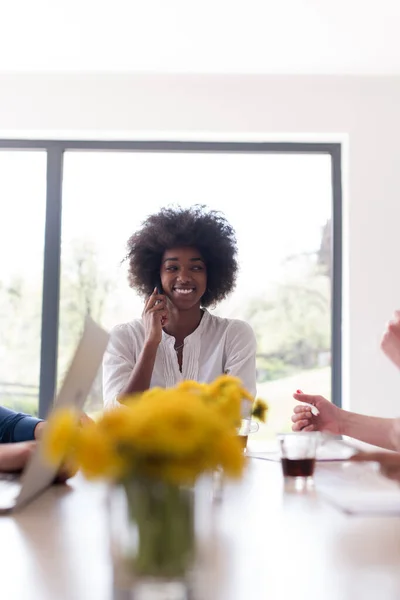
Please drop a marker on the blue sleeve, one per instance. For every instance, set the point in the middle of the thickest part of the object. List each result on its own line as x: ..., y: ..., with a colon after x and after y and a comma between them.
x: 16, y: 427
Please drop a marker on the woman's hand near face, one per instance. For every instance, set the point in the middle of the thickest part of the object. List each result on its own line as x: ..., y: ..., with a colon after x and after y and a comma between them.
x: 155, y: 316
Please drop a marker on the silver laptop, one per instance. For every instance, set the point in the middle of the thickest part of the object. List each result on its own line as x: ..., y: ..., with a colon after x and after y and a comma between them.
x: 16, y: 491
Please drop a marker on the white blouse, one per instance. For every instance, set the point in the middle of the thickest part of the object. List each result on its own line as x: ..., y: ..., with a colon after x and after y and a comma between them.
x: 217, y: 346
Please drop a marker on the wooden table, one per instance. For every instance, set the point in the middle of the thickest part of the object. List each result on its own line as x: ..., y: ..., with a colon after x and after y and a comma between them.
x: 268, y: 544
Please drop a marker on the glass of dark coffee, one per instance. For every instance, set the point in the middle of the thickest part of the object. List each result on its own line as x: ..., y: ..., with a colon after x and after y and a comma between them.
x: 298, y: 451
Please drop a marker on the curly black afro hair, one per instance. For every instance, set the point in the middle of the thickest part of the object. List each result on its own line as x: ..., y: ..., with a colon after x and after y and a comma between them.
x: 174, y: 227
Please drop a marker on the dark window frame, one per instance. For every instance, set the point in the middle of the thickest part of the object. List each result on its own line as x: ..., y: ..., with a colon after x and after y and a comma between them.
x: 52, y: 243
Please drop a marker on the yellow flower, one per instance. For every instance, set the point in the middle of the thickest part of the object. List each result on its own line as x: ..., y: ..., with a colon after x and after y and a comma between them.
x: 130, y: 399
x: 183, y: 471
x: 229, y: 385
x: 229, y: 408
x: 119, y: 424
x: 96, y: 454
x: 260, y: 410
x: 60, y: 435
x: 173, y: 434
x: 68, y: 469
x: 193, y: 386
x: 223, y: 380
x: 176, y: 423
x: 229, y: 451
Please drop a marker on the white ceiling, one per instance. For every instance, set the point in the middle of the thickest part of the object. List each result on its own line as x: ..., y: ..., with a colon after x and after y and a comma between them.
x: 214, y: 36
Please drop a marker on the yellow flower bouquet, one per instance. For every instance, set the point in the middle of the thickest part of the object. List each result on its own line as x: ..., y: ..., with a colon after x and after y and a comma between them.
x: 156, y: 445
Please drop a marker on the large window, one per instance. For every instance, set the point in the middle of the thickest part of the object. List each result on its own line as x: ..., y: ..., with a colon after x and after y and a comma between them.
x: 281, y: 208
x: 22, y: 201
x: 284, y: 202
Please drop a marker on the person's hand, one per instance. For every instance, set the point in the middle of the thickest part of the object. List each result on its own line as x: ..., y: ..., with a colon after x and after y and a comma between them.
x: 14, y: 456
x: 65, y: 472
x: 328, y: 419
x: 84, y: 419
x: 389, y: 462
x: 390, y: 343
x: 155, y: 316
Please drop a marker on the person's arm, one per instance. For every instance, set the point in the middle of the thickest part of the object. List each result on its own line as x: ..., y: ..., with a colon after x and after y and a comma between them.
x: 332, y: 419
x: 17, y: 427
x: 118, y: 363
x: 240, y: 360
x: 14, y: 457
x: 372, y: 430
x: 128, y: 363
x: 140, y: 378
x: 126, y: 368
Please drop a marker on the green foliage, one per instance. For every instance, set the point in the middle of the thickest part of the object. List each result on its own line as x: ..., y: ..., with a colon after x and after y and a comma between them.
x: 84, y: 291
x: 85, y: 288
x: 23, y: 404
x: 20, y: 327
x: 270, y: 368
x: 291, y: 320
x: 292, y: 324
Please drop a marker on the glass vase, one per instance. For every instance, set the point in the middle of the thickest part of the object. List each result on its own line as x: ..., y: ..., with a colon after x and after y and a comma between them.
x: 152, y: 538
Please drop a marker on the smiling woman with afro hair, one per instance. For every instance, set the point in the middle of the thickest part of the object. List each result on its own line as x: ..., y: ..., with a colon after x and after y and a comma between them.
x: 182, y: 260
x: 209, y: 232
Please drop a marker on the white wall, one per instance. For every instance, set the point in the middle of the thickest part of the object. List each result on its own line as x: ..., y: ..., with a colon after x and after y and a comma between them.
x: 355, y: 37
x: 364, y: 112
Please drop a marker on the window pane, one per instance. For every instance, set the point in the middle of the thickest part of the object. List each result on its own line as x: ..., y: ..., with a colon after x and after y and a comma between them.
x: 23, y: 198
x: 280, y: 206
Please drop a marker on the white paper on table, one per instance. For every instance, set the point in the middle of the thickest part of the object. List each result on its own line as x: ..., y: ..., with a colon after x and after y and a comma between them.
x: 358, y: 488
x: 374, y: 502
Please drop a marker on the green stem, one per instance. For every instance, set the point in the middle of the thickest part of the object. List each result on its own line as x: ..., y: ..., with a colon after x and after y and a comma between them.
x: 163, y: 514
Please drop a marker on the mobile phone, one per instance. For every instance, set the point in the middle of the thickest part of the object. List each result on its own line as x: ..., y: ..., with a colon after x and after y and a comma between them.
x: 159, y: 286
x: 159, y: 289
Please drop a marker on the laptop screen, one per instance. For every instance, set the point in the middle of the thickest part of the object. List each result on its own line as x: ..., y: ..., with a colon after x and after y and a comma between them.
x: 38, y: 475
